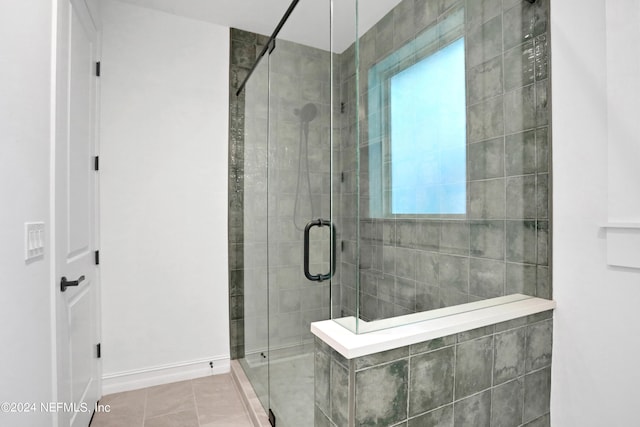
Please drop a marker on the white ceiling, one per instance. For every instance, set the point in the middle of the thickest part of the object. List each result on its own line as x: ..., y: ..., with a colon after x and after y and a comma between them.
x: 308, y: 25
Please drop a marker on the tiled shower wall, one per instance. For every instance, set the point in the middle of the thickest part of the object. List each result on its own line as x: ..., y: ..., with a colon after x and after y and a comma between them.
x: 499, y: 375
x: 294, y: 74
x: 243, y: 52
x: 411, y: 264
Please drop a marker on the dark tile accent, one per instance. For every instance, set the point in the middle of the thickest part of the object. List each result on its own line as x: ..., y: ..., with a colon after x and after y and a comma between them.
x: 507, y: 400
x: 509, y: 362
x: 474, y: 364
x: 242, y: 54
x: 431, y: 380
x: 381, y: 394
x: 473, y: 411
x: 537, y: 393
x: 442, y: 417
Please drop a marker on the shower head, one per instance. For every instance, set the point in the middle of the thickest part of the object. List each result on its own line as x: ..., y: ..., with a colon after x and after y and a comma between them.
x: 307, y: 113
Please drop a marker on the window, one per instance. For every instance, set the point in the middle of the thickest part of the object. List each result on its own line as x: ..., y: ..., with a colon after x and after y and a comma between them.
x: 428, y: 135
x: 417, y: 147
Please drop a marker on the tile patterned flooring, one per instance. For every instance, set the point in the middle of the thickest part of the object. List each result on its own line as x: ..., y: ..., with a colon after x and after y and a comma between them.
x: 212, y: 401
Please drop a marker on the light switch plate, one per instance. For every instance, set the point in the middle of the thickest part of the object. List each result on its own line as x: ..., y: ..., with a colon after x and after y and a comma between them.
x: 33, y: 240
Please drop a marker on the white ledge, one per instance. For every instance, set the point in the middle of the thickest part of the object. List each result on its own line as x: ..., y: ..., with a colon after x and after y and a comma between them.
x: 352, y: 345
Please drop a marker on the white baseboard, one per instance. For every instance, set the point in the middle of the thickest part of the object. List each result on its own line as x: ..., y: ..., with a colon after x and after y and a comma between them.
x: 148, y: 377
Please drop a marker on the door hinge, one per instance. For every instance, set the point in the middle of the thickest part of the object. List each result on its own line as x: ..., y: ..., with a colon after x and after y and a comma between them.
x: 96, y: 163
x: 99, y: 350
x: 97, y: 257
x: 272, y: 418
x: 98, y: 69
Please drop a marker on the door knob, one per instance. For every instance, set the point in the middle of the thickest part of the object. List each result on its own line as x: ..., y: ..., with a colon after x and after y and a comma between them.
x: 64, y: 283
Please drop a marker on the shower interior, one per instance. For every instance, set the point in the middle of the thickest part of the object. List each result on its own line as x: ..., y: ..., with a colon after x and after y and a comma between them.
x: 312, y: 131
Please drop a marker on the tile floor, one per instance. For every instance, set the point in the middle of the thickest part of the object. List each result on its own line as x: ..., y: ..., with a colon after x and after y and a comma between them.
x: 212, y: 401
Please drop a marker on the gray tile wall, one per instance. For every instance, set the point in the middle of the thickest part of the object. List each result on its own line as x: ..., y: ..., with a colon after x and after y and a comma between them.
x: 498, y: 375
x: 502, y: 245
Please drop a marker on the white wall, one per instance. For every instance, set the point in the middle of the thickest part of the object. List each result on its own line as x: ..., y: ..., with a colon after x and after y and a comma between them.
x: 164, y: 139
x: 597, y: 323
x: 26, y: 371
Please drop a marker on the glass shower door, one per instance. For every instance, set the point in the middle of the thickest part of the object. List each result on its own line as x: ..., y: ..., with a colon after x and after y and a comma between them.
x: 298, y: 195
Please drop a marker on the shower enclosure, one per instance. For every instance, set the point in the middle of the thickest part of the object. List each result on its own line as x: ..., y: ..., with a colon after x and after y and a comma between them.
x: 388, y: 158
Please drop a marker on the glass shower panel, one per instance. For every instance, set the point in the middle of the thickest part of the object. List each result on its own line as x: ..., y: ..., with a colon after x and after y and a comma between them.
x: 256, y: 339
x: 298, y: 194
x: 454, y: 175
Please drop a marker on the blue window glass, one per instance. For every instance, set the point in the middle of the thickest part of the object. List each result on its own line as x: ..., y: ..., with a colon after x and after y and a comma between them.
x: 428, y: 135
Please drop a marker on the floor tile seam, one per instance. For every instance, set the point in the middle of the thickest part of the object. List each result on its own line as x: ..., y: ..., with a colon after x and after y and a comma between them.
x: 195, y: 403
x: 144, y: 410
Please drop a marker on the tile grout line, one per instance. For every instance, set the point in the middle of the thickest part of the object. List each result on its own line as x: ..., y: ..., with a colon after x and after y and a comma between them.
x: 144, y: 411
x: 195, y: 402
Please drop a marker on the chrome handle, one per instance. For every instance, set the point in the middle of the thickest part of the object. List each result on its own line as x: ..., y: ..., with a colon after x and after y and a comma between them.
x: 64, y: 283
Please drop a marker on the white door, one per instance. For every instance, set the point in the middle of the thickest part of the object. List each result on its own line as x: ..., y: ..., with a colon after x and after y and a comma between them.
x: 78, y: 369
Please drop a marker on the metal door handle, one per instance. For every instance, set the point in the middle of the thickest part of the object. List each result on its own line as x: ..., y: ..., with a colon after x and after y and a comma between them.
x: 64, y: 283
x: 332, y: 268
